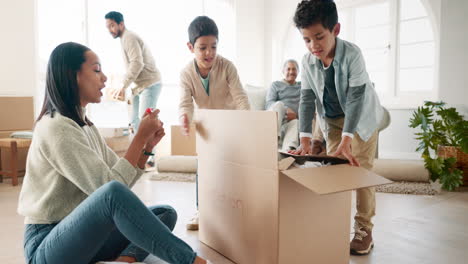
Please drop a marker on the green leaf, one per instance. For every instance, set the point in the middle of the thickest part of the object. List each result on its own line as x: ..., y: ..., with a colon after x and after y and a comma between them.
x: 437, y: 165
x: 434, y: 166
x: 421, y: 118
x: 451, y: 179
x: 440, y: 126
x: 460, y: 132
x: 450, y: 162
x: 434, y: 104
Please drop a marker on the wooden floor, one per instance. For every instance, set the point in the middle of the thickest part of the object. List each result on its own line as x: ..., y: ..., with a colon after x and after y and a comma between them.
x: 408, y: 228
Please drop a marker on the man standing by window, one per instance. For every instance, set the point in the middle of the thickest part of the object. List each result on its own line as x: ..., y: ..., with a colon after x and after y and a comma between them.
x: 141, y: 69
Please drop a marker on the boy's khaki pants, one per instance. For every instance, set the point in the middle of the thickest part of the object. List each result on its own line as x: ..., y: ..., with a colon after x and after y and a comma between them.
x: 364, y: 151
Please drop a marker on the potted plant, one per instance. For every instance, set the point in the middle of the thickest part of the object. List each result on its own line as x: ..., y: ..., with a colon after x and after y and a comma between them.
x: 443, y: 141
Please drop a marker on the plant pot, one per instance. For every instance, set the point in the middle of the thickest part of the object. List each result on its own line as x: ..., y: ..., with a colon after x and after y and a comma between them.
x: 436, y: 186
x: 462, y: 159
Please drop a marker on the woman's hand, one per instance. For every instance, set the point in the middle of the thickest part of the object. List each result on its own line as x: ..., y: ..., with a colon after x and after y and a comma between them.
x: 155, y: 138
x: 149, y: 125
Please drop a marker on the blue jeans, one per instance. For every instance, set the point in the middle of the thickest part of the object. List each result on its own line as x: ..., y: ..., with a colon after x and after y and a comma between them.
x: 111, y: 222
x: 147, y: 98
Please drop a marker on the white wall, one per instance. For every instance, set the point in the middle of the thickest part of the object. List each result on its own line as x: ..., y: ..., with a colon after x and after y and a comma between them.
x: 250, y: 41
x: 17, y: 48
x: 453, y: 80
x: 450, y: 21
x: 278, y: 21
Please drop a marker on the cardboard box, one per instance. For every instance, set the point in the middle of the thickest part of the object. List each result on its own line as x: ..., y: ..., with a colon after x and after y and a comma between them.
x: 255, y: 210
x: 118, y: 144
x: 16, y: 113
x: 183, y: 145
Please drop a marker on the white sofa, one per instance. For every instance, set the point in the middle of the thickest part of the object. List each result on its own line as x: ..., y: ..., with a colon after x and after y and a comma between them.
x: 257, y: 96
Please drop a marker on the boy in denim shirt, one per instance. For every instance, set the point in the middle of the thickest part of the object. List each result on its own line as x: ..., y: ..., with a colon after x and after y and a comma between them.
x: 335, y: 81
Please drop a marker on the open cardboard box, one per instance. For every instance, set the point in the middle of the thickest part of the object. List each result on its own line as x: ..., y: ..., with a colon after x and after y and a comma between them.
x: 253, y: 209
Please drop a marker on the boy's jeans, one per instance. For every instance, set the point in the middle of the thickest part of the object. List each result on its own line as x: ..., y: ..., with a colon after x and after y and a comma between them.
x: 111, y: 222
x: 364, y: 151
x: 147, y: 98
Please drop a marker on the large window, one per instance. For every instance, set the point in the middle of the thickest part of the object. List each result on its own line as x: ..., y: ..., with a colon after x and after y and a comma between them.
x: 58, y: 21
x: 161, y: 24
x: 397, y: 40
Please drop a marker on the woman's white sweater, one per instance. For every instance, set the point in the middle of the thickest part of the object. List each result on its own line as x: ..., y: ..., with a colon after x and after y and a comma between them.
x: 65, y: 164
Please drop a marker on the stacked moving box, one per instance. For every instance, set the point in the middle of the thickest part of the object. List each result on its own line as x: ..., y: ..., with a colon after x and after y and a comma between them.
x: 16, y: 114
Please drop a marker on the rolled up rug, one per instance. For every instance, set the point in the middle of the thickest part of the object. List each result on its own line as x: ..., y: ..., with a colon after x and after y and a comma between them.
x: 186, y: 164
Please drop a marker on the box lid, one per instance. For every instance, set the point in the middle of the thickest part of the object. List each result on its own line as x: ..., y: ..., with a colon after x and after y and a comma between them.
x: 336, y: 178
x: 238, y: 136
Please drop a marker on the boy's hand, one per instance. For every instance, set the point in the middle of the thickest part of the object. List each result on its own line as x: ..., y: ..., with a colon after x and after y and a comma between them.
x: 344, y: 149
x: 290, y: 114
x: 304, y: 148
x: 184, y: 122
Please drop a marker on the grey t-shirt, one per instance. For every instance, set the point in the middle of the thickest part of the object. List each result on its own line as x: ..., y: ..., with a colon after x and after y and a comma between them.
x: 289, y: 94
x: 330, y: 98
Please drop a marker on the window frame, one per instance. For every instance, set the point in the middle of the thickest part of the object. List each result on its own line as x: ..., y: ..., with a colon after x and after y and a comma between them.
x: 171, y: 85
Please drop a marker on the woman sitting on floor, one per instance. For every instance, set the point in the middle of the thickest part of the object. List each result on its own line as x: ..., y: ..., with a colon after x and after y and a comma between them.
x: 75, y: 196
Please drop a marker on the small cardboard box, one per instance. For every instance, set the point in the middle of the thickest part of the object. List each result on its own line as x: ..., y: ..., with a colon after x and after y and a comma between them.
x: 16, y: 113
x: 255, y: 210
x: 183, y: 145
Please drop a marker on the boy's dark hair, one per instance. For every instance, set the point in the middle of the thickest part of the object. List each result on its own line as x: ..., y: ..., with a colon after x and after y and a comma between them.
x: 310, y: 12
x: 116, y: 16
x: 202, y: 26
x: 61, y: 92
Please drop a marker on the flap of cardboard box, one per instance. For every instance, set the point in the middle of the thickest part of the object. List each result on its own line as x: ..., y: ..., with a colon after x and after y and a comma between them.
x: 284, y: 164
x: 336, y: 178
x: 238, y: 136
